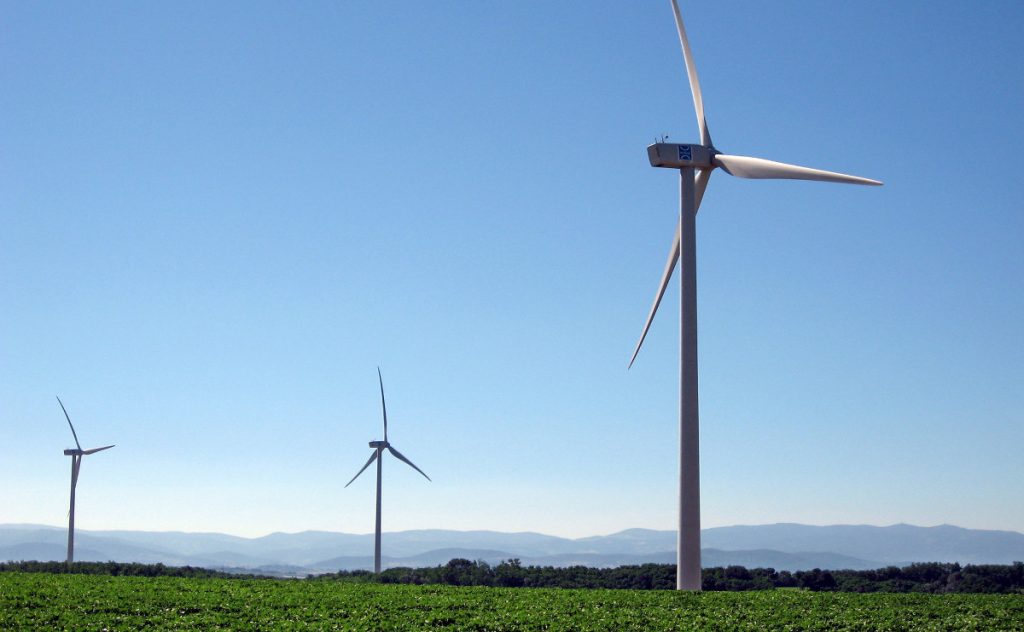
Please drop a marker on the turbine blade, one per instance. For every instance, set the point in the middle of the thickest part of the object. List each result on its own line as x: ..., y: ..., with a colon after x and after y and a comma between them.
x: 372, y: 458
x: 383, y: 406
x: 95, y: 450
x: 68, y: 417
x: 666, y: 276
x: 700, y: 185
x: 759, y: 168
x: 691, y: 73
x: 399, y: 456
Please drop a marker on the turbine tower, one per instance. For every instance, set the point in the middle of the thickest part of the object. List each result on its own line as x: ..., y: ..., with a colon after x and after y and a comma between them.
x: 76, y: 455
x: 695, y: 163
x: 378, y: 456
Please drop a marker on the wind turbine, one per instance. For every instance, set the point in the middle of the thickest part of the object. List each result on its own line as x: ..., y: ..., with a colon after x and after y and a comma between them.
x: 695, y: 163
x: 76, y: 455
x: 378, y: 456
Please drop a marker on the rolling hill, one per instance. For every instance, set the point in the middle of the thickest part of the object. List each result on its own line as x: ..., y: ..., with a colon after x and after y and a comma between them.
x: 780, y: 546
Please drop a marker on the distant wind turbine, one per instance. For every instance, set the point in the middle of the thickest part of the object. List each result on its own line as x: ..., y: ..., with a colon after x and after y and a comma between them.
x: 695, y: 163
x: 378, y: 455
x: 76, y: 455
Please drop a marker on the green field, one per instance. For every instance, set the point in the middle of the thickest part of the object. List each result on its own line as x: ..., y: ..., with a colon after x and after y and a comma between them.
x: 92, y: 602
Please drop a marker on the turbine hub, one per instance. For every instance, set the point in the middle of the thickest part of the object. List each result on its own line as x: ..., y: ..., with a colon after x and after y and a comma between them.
x: 677, y: 156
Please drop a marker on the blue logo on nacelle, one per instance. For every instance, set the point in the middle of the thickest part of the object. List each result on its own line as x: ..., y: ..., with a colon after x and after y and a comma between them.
x: 684, y: 152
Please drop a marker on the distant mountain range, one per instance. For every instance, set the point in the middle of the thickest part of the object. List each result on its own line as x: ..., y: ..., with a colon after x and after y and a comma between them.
x: 780, y: 546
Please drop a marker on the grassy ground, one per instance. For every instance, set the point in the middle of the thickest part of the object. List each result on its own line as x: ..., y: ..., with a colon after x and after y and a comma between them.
x: 88, y: 602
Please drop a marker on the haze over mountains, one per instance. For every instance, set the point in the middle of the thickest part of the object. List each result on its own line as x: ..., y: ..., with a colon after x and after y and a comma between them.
x: 780, y: 546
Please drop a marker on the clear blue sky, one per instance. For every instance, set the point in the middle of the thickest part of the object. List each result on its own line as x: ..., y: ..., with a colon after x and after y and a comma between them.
x: 217, y: 220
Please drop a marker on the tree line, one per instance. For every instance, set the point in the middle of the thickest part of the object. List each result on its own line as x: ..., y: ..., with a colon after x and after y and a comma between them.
x: 931, y: 577
x: 925, y: 577
x: 121, y: 568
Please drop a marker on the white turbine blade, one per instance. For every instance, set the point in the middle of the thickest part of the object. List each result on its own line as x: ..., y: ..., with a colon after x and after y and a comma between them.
x: 383, y: 406
x: 691, y: 73
x: 95, y: 450
x: 408, y: 462
x: 68, y: 417
x: 700, y: 184
x: 372, y: 457
x: 759, y: 168
x: 666, y: 276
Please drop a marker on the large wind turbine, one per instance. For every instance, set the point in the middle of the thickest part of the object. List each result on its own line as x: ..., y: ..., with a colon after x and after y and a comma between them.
x: 695, y: 163
x: 76, y: 455
x: 378, y: 456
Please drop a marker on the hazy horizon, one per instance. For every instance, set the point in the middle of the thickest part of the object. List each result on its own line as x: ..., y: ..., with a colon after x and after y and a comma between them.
x: 593, y: 535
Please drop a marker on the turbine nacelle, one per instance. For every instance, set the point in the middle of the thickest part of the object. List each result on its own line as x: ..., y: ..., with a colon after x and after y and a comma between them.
x: 80, y: 452
x: 379, y: 444
x: 678, y: 155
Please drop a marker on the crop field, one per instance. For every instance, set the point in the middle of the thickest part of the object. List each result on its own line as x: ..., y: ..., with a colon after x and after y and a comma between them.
x: 91, y: 602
